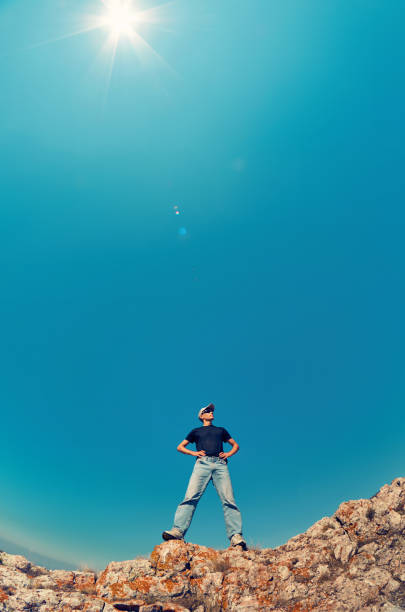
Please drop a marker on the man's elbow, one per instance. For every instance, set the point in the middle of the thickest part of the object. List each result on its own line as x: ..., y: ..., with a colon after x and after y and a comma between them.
x: 180, y: 448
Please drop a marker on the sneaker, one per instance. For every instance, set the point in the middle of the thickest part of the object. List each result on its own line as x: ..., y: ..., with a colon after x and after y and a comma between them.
x: 172, y: 534
x: 237, y: 540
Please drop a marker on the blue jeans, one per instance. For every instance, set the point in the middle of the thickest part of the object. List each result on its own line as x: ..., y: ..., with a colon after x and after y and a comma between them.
x: 205, y: 469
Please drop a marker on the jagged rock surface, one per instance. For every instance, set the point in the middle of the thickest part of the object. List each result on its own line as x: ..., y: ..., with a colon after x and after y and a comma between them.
x: 354, y: 560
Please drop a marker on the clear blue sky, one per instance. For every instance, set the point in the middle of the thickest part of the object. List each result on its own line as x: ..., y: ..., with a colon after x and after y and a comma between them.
x: 277, y: 128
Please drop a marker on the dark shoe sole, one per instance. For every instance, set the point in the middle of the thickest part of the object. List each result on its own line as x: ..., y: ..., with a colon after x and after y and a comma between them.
x: 169, y: 536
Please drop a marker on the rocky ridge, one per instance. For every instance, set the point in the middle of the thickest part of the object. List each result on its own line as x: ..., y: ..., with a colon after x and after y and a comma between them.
x: 353, y: 560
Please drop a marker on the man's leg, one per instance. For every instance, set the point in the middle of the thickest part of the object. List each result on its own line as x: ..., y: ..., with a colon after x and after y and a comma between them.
x: 199, y: 479
x: 223, y: 485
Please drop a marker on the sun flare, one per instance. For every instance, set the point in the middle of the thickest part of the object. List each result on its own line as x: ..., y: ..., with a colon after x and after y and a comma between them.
x: 126, y: 21
x: 119, y: 17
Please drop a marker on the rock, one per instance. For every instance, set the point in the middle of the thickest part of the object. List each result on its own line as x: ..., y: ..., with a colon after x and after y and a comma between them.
x: 85, y: 582
x: 16, y: 562
x: 351, y: 561
x: 63, y: 578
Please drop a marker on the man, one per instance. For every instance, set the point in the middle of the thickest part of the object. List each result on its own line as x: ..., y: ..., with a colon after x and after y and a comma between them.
x: 211, y: 464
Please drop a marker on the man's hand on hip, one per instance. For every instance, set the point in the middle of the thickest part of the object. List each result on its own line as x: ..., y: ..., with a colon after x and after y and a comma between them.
x: 201, y: 453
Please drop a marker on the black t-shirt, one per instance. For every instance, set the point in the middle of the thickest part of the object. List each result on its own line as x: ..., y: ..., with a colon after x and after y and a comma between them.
x: 209, y: 439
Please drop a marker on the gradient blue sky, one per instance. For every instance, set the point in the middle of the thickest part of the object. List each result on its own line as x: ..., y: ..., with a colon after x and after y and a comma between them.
x: 277, y: 128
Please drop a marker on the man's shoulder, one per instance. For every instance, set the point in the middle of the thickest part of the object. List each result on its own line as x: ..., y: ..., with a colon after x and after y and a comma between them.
x: 207, y: 429
x: 196, y: 429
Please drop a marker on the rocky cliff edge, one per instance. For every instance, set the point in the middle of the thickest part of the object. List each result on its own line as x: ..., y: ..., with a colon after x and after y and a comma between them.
x: 353, y: 560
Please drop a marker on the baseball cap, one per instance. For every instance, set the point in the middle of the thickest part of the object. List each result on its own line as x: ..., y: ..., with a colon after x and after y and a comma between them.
x: 210, y: 406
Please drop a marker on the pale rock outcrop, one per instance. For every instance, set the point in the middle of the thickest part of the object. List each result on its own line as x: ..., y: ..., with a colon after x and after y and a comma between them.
x: 351, y: 561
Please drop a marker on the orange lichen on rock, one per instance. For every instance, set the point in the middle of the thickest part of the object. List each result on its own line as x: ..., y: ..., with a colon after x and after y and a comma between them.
x: 170, y: 584
x: 197, y: 582
x: 3, y: 595
x: 346, y: 509
x: 85, y: 582
x: 207, y: 554
x: 119, y: 589
x: 103, y: 576
x: 264, y: 601
x: 155, y: 555
x: 142, y: 584
x: 170, y: 556
x: 63, y: 578
x: 301, y: 607
x: 124, y: 604
x: 302, y: 571
x: 90, y: 605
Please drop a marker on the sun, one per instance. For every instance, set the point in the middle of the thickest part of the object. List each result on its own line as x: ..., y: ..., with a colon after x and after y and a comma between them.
x: 122, y: 19
x: 119, y: 17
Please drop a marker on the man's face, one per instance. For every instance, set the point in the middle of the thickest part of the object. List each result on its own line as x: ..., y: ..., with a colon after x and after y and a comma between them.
x: 208, y: 415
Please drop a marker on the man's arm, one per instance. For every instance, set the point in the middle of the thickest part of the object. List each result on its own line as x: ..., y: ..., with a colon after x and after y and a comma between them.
x: 234, y: 449
x: 182, y: 449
